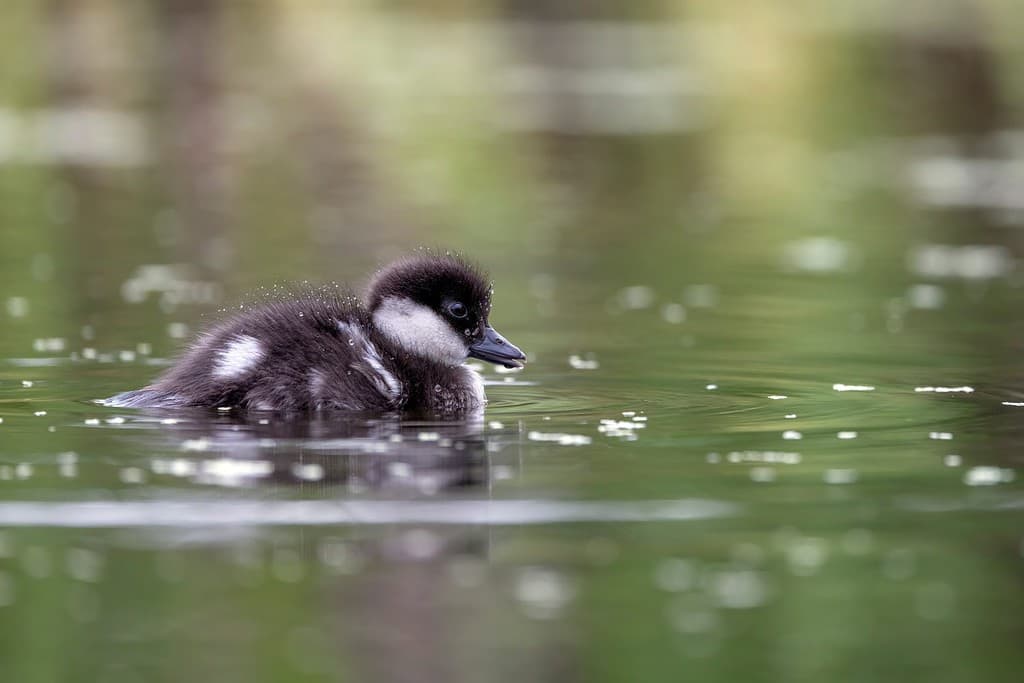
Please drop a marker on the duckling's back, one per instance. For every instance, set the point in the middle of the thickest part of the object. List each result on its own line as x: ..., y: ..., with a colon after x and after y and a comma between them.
x: 316, y: 351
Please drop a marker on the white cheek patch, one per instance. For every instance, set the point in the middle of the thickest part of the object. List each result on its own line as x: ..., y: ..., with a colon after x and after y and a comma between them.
x: 238, y: 357
x: 420, y: 331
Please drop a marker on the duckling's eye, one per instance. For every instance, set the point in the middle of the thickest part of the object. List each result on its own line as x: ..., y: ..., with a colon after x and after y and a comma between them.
x: 458, y: 309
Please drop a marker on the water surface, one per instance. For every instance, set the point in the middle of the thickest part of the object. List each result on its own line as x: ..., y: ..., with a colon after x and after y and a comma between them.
x: 766, y: 267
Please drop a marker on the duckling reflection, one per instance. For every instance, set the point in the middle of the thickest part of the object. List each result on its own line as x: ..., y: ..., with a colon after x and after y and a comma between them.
x: 384, y: 455
x: 387, y: 589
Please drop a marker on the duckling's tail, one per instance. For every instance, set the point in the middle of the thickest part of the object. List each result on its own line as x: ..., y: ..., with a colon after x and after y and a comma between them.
x: 143, y: 398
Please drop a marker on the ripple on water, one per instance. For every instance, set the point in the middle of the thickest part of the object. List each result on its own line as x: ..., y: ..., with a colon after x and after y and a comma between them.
x: 207, y: 513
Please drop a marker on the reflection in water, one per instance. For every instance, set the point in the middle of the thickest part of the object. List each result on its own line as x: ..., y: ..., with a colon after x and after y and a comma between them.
x: 395, y: 526
x: 382, y: 454
x: 395, y: 601
x: 235, y: 513
x: 410, y: 463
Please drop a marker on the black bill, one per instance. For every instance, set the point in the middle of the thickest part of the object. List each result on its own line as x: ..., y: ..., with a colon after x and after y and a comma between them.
x: 493, y: 348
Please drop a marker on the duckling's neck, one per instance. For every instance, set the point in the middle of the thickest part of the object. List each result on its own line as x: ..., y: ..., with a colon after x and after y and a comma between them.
x: 434, y: 388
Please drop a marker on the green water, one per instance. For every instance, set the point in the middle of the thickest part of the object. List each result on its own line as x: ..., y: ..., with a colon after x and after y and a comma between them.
x: 765, y: 265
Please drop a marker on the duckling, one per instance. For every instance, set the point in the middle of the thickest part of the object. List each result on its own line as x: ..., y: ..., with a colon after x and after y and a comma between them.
x: 402, y: 349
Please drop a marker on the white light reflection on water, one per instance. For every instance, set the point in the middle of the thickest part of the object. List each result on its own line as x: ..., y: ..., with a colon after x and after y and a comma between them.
x: 775, y: 457
x: 805, y: 555
x: 819, y: 255
x: 561, y: 439
x: 957, y: 181
x: 577, y: 362
x: 840, y: 476
x: 926, y: 296
x: 988, y: 476
x: 36, y: 362
x: 544, y: 592
x: 852, y: 387
x: 936, y: 505
x: 51, y: 344
x: 124, y: 514
x: 968, y: 262
x: 739, y: 588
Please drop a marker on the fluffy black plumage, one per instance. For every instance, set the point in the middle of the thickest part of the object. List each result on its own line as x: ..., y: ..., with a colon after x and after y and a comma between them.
x: 323, y: 350
x: 430, y: 281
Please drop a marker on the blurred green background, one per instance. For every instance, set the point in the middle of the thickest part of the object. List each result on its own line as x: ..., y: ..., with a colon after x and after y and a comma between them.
x: 706, y: 214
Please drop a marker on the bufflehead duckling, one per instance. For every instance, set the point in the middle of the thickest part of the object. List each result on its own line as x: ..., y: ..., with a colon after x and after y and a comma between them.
x: 403, y: 350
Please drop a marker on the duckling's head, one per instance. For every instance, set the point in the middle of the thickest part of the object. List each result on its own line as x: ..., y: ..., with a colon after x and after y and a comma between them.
x: 437, y: 307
